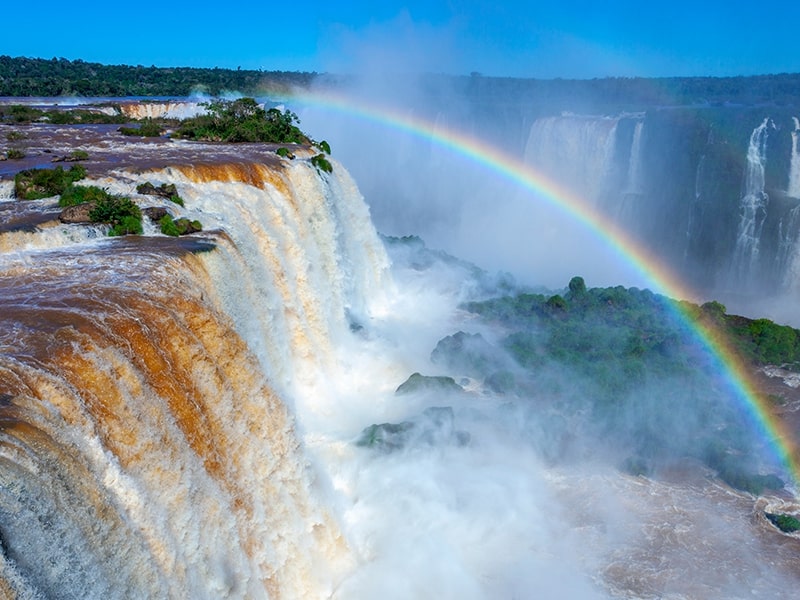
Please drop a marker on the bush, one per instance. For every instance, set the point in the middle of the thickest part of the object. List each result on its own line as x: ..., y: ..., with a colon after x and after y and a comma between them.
x: 78, y: 155
x: 324, y: 146
x: 15, y: 136
x: 321, y: 163
x: 33, y: 184
x: 148, y: 128
x: 15, y: 154
x: 243, y: 120
x: 785, y: 523
x: 80, y: 194
x: 285, y: 153
x: 120, y: 212
x: 178, y: 227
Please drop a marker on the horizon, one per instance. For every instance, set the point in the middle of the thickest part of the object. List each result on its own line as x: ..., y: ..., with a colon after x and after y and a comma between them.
x: 578, y: 40
x: 423, y: 73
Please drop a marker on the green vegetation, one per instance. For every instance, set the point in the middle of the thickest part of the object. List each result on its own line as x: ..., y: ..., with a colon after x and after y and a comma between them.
x: 80, y: 194
x: 78, y: 155
x: 324, y: 146
x: 786, y: 523
x: 147, y: 128
x: 15, y: 154
x: 22, y: 114
x: 15, y: 136
x: 321, y: 163
x: 33, y: 184
x: 61, y: 77
x: 285, y: 153
x: 243, y: 120
x: 623, y: 362
x: 178, y: 227
x: 119, y: 212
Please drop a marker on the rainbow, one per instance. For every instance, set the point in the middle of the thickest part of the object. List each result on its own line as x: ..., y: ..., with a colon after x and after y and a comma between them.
x: 728, y: 362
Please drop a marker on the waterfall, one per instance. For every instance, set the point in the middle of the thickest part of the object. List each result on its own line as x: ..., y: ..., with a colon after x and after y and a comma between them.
x: 752, y: 206
x: 576, y: 151
x: 634, y: 180
x: 793, y: 188
x: 147, y: 443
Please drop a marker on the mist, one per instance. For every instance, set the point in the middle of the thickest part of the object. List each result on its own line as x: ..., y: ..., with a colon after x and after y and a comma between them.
x: 416, y: 186
x: 485, y: 493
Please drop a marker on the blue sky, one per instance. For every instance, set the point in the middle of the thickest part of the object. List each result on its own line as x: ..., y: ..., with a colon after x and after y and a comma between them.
x: 570, y: 39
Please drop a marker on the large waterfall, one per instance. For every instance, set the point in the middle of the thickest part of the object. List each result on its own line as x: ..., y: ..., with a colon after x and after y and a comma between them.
x: 182, y: 417
x: 147, y: 446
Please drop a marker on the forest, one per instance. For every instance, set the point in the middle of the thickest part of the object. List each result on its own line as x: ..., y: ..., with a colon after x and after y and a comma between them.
x: 25, y: 77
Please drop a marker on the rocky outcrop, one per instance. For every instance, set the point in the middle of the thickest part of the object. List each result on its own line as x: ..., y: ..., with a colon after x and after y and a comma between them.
x: 77, y: 214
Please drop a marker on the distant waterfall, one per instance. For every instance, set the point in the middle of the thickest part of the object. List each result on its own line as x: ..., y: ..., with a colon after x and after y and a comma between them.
x: 794, y: 167
x: 634, y: 179
x: 753, y: 204
x: 635, y: 183
x: 575, y: 150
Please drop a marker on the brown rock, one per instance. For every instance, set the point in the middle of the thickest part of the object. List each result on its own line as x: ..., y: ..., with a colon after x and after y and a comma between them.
x: 77, y: 214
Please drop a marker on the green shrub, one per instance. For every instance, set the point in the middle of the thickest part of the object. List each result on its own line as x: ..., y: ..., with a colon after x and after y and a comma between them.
x: 15, y: 136
x: 78, y: 155
x: 168, y: 226
x: 127, y: 225
x: 19, y: 113
x: 321, y: 163
x: 785, y: 523
x: 324, y: 146
x: 80, y: 194
x: 33, y: 184
x: 148, y: 128
x: 243, y: 120
x: 15, y: 154
x: 119, y: 212
x: 178, y: 227
x: 285, y: 153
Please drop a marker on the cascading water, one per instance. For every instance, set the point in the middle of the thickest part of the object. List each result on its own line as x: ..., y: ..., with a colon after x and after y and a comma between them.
x: 634, y: 181
x: 752, y: 206
x: 574, y: 150
x: 146, y: 446
x: 793, y: 189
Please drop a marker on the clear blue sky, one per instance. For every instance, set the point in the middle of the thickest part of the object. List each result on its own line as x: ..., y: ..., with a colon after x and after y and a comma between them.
x: 569, y: 38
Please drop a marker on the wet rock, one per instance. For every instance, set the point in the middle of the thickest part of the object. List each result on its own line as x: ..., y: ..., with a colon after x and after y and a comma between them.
x: 417, y: 383
x: 77, y: 214
x: 165, y: 190
x: 155, y: 213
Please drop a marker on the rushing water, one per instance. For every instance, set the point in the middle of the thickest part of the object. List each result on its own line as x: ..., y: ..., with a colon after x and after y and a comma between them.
x: 177, y: 419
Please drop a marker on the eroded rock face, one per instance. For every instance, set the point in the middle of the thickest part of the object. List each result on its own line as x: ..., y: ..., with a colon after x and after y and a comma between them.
x: 77, y: 214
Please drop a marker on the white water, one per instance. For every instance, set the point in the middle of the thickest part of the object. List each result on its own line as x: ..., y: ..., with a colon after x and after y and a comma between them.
x: 752, y: 205
x: 261, y: 324
x: 793, y: 189
x: 574, y: 150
